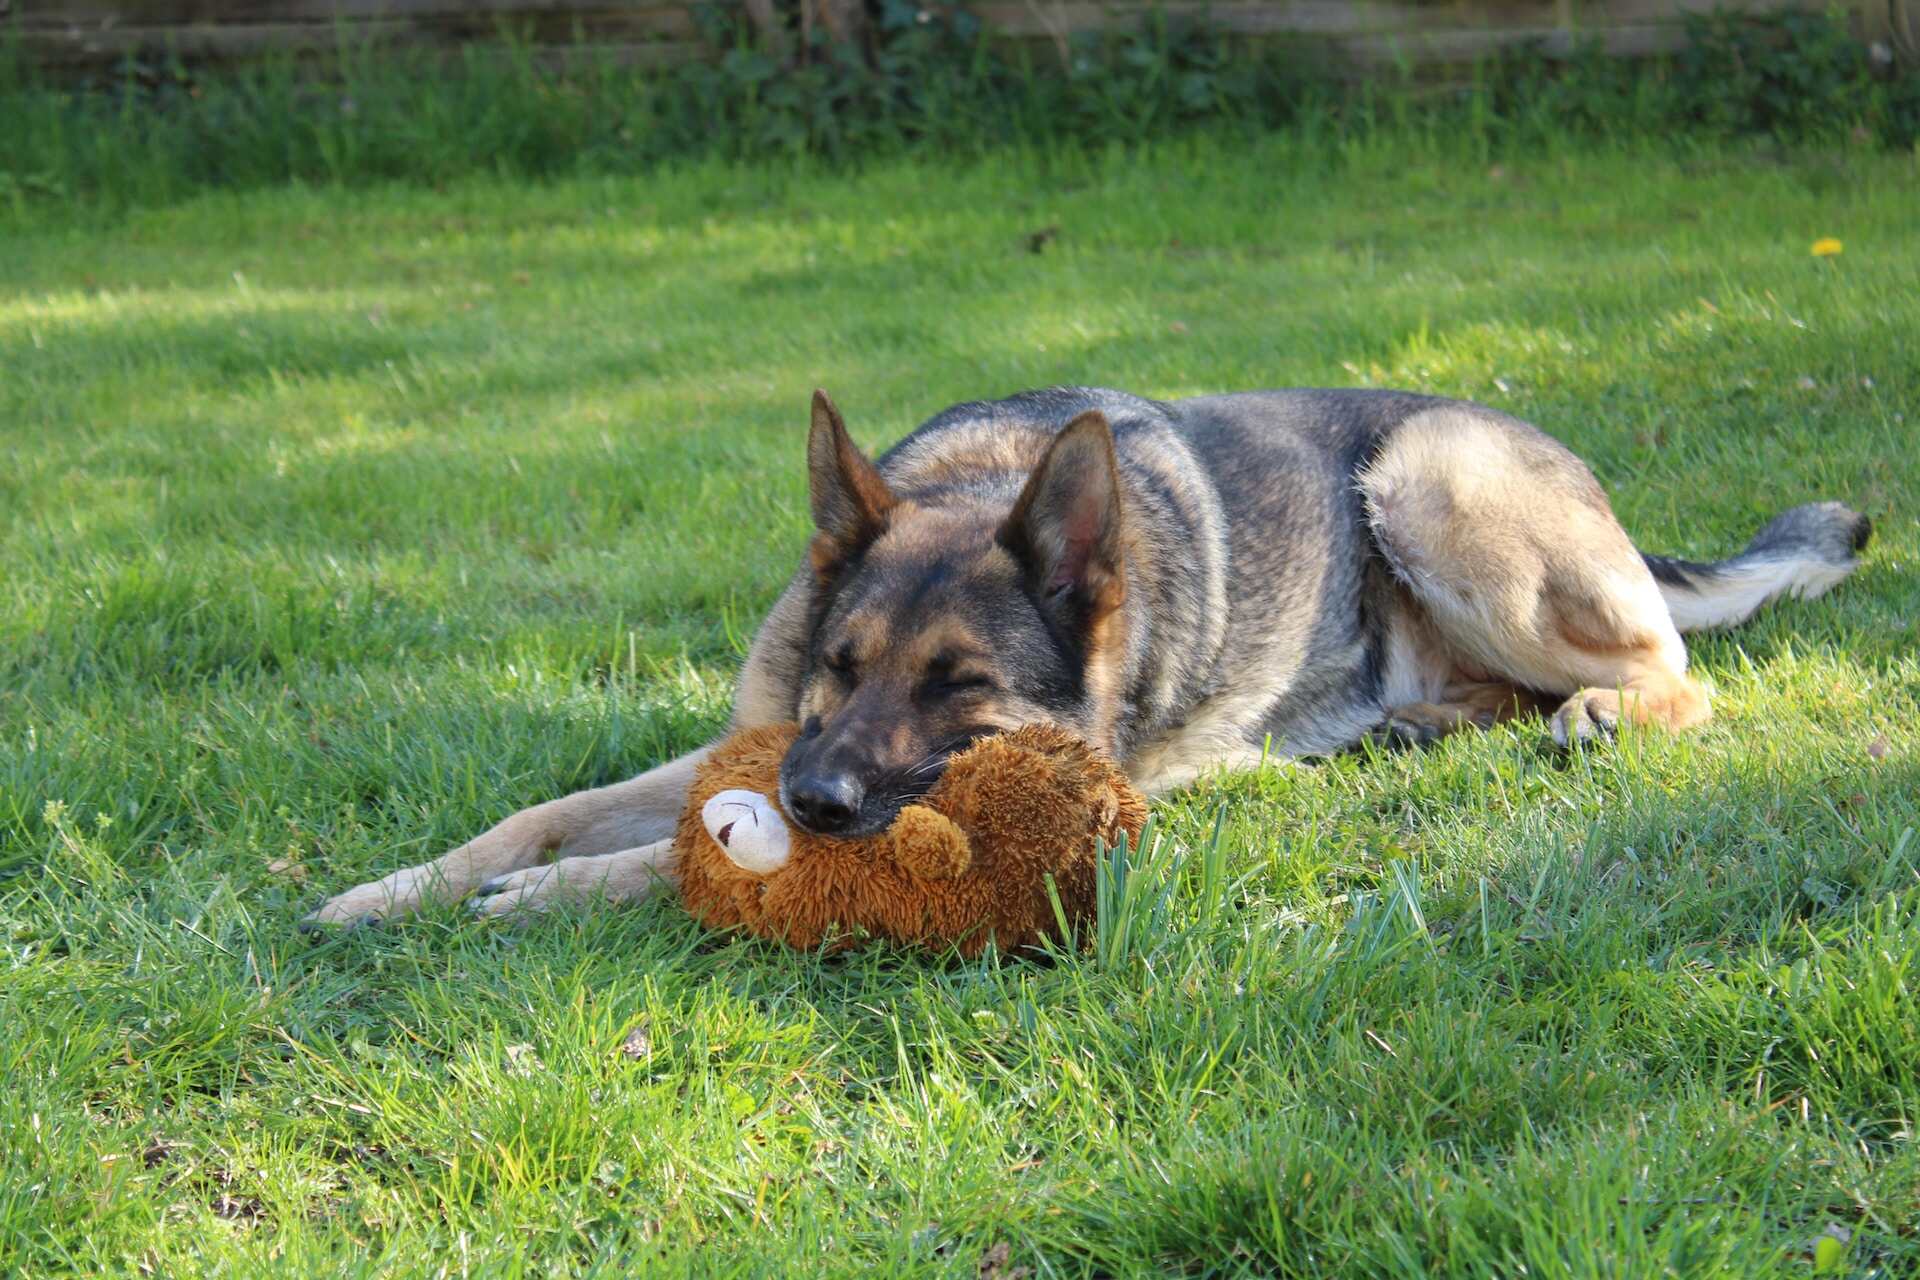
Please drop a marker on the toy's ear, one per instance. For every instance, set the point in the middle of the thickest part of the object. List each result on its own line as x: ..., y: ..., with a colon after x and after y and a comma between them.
x: 928, y: 844
x: 749, y: 830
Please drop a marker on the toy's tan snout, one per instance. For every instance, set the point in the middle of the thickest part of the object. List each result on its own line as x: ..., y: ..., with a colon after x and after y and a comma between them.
x: 751, y: 832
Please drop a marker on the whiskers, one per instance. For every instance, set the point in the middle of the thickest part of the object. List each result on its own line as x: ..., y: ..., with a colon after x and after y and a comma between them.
x: 918, y: 778
x: 930, y: 764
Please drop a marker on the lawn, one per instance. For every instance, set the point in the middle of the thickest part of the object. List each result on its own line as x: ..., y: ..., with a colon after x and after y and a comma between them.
x: 340, y: 524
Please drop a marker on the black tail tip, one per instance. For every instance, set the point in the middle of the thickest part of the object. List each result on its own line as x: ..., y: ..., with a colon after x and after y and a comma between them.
x: 1829, y: 531
x: 1862, y: 531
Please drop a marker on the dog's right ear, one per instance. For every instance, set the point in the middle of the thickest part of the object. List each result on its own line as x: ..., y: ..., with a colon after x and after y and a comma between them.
x: 850, y: 501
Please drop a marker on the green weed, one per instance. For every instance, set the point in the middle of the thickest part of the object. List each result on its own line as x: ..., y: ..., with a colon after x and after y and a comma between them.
x: 339, y: 523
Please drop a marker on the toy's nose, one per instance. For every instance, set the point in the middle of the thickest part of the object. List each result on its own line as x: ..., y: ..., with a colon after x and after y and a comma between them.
x: 826, y: 804
x: 748, y: 829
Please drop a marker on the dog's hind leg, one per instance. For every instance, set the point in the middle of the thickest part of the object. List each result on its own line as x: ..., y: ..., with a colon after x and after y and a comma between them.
x: 1507, y: 543
x: 1461, y: 705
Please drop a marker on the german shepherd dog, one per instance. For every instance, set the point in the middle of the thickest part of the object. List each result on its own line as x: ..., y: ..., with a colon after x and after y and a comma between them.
x: 1190, y: 586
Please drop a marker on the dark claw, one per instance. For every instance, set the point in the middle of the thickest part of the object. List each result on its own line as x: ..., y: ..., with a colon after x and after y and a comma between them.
x: 1414, y: 734
x: 1405, y: 735
x: 1603, y: 723
x: 323, y: 928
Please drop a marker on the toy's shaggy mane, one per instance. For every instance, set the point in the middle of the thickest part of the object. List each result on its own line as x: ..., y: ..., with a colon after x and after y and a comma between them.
x: 966, y: 865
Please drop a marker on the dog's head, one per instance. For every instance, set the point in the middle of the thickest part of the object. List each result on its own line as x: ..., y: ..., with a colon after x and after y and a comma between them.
x: 938, y: 623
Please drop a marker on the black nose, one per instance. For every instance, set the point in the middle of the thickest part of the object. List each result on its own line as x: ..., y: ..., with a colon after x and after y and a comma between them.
x: 826, y: 803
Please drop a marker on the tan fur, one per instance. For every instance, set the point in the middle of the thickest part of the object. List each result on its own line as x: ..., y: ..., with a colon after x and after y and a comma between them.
x: 605, y: 820
x: 1463, y: 704
x: 983, y: 448
x: 627, y: 876
x: 1519, y: 567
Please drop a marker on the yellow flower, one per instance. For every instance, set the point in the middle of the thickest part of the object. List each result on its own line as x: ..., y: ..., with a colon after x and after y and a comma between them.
x: 1826, y: 248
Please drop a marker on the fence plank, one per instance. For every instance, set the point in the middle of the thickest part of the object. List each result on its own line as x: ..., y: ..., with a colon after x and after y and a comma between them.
x: 481, y: 14
x: 204, y: 42
x: 1419, y: 47
x: 82, y: 33
x: 1051, y: 18
x: 93, y: 45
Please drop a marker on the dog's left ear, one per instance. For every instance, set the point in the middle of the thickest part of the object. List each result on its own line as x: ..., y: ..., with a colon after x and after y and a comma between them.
x: 1065, y: 529
x: 850, y: 501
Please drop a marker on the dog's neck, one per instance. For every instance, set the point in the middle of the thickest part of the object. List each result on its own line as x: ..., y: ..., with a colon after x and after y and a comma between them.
x: 1173, y: 623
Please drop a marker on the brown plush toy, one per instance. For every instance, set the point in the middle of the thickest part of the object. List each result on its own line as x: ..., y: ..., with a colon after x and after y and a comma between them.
x: 965, y: 865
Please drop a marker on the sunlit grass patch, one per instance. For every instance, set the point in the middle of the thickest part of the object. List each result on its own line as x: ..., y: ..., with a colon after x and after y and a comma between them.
x: 339, y: 526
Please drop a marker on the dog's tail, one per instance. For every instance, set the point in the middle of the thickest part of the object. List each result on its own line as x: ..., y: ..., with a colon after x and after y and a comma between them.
x: 1801, y: 552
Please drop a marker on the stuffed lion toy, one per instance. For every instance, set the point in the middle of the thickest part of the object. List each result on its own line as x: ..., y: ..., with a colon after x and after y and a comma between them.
x: 964, y: 866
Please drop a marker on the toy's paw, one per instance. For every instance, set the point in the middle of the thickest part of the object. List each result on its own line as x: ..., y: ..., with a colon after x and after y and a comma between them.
x: 1002, y: 776
x: 928, y: 844
x: 749, y: 830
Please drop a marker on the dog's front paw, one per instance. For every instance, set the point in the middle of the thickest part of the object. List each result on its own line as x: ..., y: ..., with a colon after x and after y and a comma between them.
x: 368, y: 904
x: 526, y: 891
x: 626, y: 876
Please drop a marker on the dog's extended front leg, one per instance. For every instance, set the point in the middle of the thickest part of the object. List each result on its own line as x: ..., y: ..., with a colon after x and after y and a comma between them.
x: 627, y: 876
x: 637, y: 812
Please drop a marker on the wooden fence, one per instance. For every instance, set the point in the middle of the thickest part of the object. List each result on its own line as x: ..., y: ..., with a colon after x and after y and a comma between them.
x: 94, y: 34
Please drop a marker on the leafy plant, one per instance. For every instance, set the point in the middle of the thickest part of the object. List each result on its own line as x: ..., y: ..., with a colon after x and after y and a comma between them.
x: 1790, y: 73
x: 922, y: 79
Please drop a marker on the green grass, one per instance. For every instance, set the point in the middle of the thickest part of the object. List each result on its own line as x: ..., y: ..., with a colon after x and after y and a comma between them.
x: 339, y: 525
